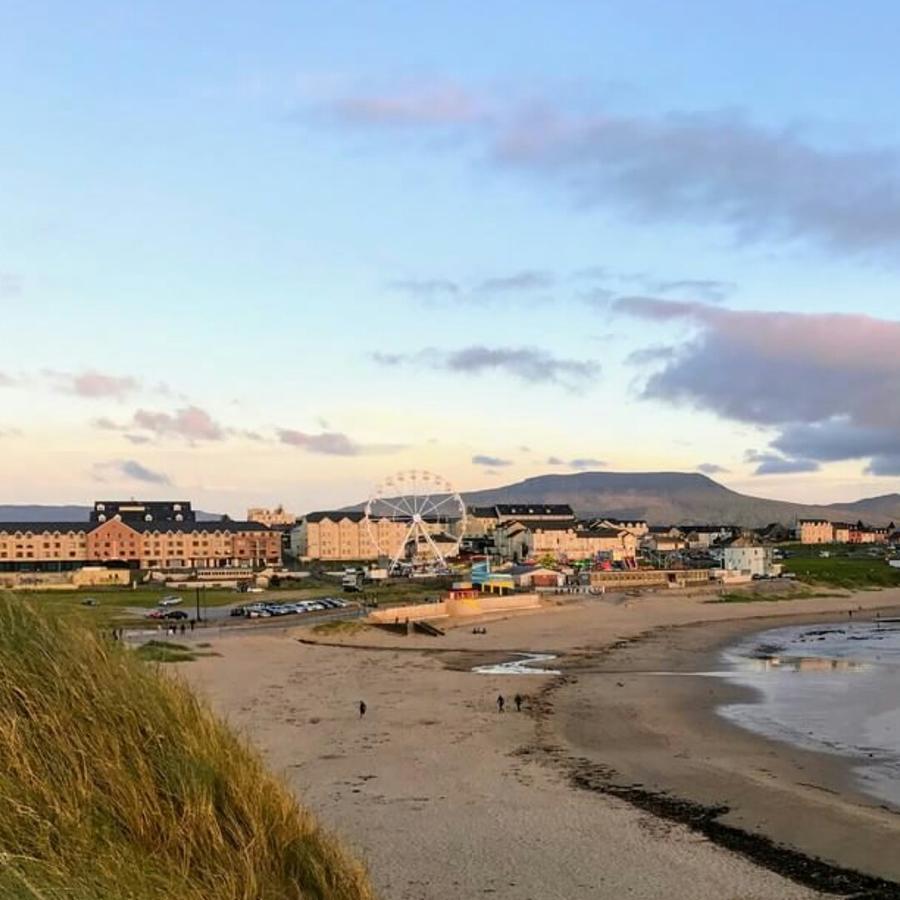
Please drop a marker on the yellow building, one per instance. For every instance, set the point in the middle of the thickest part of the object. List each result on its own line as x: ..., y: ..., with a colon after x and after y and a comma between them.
x: 345, y: 535
x: 563, y: 540
x: 816, y: 531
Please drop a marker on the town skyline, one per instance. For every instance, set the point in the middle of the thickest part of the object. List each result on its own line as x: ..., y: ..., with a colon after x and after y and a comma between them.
x: 283, y: 265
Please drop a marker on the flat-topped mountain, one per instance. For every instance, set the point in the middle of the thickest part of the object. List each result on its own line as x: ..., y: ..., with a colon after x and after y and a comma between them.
x: 664, y: 498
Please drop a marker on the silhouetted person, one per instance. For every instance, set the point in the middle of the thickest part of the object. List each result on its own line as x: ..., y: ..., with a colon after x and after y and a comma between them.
x: 362, y: 708
x: 518, y: 702
x: 182, y: 628
x: 501, y: 703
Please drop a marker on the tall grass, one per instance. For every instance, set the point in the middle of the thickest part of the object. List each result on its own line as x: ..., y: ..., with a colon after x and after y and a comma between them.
x: 117, y: 782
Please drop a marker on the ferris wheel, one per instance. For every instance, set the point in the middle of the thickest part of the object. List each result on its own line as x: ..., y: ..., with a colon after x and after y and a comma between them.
x: 417, y: 516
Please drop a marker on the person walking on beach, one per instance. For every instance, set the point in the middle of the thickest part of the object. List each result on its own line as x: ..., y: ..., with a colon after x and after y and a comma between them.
x: 501, y: 703
x: 518, y: 701
x: 362, y: 708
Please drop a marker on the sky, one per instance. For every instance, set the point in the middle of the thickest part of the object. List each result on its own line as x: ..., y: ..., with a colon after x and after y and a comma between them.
x: 272, y: 252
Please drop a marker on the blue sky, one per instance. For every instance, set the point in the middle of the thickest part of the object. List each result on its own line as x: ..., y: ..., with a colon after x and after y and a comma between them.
x: 263, y: 252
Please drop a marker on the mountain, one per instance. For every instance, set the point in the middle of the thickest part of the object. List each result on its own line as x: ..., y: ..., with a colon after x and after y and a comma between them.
x: 13, y: 513
x: 672, y: 498
x: 32, y: 513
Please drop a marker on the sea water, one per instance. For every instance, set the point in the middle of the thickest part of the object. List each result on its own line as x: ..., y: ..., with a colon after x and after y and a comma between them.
x: 829, y: 688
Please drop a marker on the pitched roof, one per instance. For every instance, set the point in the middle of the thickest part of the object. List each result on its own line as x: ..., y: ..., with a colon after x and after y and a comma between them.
x: 142, y: 527
x: 535, y: 509
x: 37, y: 527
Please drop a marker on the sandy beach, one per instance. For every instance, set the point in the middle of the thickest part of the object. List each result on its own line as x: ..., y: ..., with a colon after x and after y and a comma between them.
x: 572, y: 798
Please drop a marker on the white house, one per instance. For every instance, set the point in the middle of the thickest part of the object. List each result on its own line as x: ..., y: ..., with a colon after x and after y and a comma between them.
x: 747, y: 556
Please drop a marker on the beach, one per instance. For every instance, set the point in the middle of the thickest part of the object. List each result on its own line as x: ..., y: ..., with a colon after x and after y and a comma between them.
x: 444, y: 797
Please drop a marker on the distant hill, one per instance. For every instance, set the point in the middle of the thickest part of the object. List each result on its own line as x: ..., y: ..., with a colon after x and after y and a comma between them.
x: 32, y: 513
x: 672, y: 498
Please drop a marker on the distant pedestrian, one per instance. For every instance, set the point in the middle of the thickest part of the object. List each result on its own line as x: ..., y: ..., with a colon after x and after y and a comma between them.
x: 182, y: 628
x: 501, y: 703
x: 518, y: 702
x: 192, y: 624
x: 362, y: 708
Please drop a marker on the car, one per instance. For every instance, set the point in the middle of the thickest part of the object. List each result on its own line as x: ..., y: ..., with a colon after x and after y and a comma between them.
x: 90, y: 601
x: 171, y: 600
x: 175, y: 614
x: 154, y: 614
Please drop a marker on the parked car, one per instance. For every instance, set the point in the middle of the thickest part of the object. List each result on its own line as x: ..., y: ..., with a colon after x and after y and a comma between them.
x: 171, y: 600
x: 89, y: 601
x: 175, y: 614
x: 154, y: 614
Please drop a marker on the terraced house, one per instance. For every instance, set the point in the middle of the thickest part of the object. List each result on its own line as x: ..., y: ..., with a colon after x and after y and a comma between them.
x: 138, y: 535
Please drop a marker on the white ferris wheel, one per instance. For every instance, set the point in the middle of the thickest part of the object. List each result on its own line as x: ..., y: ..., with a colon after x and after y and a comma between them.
x: 429, y: 509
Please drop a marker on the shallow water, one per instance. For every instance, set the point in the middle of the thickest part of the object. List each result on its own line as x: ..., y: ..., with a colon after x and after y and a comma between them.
x: 523, y: 665
x: 830, y: 688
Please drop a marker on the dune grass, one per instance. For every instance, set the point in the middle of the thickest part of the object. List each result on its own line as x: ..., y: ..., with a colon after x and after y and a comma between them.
x: 117, y: 782
x: 852, y: 573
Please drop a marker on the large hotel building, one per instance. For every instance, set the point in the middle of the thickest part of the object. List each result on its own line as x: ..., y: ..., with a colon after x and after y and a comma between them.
x: 138, y: 535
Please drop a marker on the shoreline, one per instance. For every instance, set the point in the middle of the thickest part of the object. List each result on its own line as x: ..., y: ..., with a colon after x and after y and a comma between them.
x: 444, y: 798
x: 628, y: 728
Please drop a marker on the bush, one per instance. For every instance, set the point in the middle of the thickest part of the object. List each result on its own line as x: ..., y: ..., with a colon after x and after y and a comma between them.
x: 117, y: 782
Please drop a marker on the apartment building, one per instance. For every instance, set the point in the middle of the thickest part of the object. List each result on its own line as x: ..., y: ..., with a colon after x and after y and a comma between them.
x: 137, y: 536
x: 563, y: 540
x: 819, y: 531
x: 345, y: 535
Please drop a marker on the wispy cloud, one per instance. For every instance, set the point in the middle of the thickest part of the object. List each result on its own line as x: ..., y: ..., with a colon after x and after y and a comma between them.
x: 191, y: 423
x: 714, y: 168
x: 426, y: 288
x: 580, y: 464
x: 92, y: 384
x: 333, y: 443
x: 528, y: 364
x: 528, y: 280
x: 493, y: 462
x: 711, y: 469
x: 435, y: 105
x: 128, y: 470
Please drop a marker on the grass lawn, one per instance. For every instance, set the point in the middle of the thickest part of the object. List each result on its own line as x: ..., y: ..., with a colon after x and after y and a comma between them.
x: 859, y: 573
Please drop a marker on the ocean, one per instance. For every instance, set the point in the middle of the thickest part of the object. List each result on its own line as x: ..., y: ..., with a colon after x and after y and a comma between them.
x: 831, y: 688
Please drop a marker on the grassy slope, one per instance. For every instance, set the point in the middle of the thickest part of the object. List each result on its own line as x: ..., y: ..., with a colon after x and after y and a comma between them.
x: 116, y: 782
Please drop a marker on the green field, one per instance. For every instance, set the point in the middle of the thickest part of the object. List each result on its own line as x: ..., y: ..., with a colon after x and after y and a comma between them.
x: 858, y: 571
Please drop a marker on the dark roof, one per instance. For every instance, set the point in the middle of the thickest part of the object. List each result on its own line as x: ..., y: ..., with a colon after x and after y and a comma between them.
x: 335, y: 515
x: 635, y: 521
x: 162, y: 527
x: 46, y: 526
x: 483, y: 512
x: 552, y: 525
x: 534, y: 509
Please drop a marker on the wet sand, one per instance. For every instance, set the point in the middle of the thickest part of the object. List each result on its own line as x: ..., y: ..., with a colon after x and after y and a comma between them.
x: 446, y: 798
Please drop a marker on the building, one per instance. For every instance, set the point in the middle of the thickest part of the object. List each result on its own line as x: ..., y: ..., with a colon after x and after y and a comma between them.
x: 345, y: 535
x: 485, y: 519
x: 747, y: 556
x: 143, y: 511
x: 563, y: 540
x: 638, y: 527
x: 271, y: 518
x: 821, y: 531
x: 137, y: 535
x: 664, y: 539
x: 702, y: 537
x: 815, y: 531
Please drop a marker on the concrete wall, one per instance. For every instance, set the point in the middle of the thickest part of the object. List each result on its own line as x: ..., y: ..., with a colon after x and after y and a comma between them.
x: 456, y: 608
